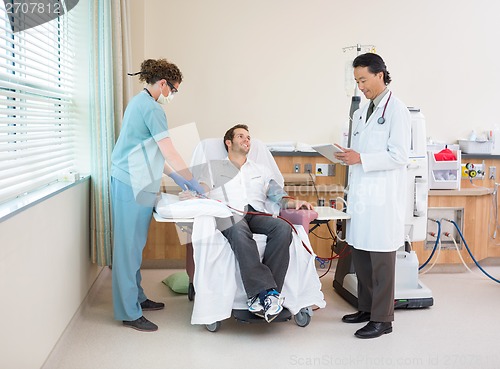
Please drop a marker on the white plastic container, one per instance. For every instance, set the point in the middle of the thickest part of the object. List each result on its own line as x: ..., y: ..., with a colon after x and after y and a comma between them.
x: 475, y: 147
x: 445, y: 175
x: 406, y: 270
x: 418, y: 135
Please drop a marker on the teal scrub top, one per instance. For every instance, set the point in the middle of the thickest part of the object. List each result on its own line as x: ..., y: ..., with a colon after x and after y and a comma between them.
x: 136, y: 159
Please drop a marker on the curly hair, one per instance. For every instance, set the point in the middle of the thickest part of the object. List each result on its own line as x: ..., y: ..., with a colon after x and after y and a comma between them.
x: 154, y: 70
x: 229, y: 135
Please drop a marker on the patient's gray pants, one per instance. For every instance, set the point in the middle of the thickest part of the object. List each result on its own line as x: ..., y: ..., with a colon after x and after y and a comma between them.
x: 271, y: 272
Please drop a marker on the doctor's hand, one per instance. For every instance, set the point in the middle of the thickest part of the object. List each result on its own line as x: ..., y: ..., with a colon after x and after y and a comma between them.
x: 349, y: 156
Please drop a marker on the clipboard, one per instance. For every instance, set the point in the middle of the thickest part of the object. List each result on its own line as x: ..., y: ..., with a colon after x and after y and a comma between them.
x: 328, y: 151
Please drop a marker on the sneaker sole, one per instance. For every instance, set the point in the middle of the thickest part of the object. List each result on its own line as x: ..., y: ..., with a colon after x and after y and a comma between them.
x: 260, y: 314
x: 270, y: 318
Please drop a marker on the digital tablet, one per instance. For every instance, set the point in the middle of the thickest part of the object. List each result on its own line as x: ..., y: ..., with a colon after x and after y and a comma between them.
x: 328, y: 151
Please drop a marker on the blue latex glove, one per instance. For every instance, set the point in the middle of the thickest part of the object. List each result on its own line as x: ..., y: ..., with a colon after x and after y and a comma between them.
x: 180, y: 180
x: 195, y: 186
x: 183, y: 183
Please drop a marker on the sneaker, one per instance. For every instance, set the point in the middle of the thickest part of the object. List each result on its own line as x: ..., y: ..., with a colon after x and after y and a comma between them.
x: 273, y: 305
x: 141, y: 324
x: 255, y: 307
x: 151, y: 305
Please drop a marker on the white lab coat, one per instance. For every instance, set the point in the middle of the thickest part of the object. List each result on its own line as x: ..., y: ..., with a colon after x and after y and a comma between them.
x: 377, y: 187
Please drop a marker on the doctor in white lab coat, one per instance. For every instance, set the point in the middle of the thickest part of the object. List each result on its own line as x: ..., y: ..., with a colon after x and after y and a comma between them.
x: 377, y: 159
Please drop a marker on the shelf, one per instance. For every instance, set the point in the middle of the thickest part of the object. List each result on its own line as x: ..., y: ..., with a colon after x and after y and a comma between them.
x: 478, y: 191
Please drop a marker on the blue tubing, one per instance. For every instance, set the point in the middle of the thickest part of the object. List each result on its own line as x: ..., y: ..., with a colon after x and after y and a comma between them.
x: 435, y: 246
x: 470, y: 253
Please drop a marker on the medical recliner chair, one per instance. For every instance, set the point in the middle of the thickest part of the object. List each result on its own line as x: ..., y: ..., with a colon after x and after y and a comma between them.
x: 217, y: 294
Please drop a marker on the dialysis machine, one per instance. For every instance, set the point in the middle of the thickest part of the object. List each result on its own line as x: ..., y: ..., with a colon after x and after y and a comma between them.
x: 409, y: 291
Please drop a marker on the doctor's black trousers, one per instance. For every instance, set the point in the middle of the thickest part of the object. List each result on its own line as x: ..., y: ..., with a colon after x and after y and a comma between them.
x: 376, y: 277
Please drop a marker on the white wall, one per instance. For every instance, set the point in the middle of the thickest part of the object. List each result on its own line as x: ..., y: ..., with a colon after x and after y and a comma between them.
x: 279, y: 66
x: 45, y: 273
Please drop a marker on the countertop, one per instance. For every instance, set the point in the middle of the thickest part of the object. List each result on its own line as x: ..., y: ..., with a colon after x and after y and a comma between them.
x: 476, y: 191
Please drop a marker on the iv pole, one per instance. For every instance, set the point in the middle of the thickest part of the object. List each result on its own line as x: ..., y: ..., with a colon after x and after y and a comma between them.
x: 344, y: 264
x: 356, y: 99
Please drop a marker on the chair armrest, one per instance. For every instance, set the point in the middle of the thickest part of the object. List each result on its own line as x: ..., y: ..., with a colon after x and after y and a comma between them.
x: 301, y: 216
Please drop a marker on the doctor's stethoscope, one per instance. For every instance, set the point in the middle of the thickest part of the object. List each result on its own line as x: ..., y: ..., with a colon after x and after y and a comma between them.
x: 380, y: 120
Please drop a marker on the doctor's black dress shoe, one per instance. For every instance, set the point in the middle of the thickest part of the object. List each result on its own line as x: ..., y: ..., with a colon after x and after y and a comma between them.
x: 149, y: 305
x: 374, y: 330
x: 359, y: 317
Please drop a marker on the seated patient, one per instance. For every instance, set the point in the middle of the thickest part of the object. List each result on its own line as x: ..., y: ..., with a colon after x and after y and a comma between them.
x: 245, y: 186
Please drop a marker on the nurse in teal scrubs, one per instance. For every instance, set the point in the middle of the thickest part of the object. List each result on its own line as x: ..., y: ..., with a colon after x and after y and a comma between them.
x: 142, y: 153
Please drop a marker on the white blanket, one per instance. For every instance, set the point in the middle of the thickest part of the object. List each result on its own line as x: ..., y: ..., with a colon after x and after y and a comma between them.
x: 217, y: 281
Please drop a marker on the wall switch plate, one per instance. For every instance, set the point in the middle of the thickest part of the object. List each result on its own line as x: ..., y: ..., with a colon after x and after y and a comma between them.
x: 296, y: 168
x: 493, y: 173
x: 321, y: 170
x: 308, y: 168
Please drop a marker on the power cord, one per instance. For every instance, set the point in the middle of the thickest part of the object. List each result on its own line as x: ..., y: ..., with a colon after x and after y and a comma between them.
x: 333, y: 234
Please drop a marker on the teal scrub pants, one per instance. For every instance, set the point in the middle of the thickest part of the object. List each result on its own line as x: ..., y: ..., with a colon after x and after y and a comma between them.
x: 130, y: 231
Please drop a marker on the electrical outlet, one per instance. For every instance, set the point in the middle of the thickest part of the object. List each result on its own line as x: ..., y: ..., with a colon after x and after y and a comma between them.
x: 308, y: 168
x: 493, y: 173
x: 321, y: 170
x: 331, y: 170
x: 296, y: 168
x: 455, y: 214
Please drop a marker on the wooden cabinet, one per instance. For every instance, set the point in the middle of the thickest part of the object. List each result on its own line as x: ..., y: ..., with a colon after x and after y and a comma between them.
x: 479, y: 215
x: 165, y: 246
x: 474, y: 202
x: 485, y: 217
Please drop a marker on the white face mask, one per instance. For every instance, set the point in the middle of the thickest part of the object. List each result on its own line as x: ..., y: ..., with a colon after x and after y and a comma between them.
x: 165, y: 100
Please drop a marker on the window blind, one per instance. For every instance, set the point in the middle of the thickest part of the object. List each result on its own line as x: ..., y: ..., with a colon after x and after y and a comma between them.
x: 37, y: 136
